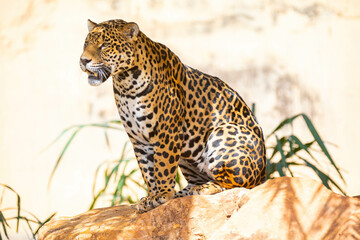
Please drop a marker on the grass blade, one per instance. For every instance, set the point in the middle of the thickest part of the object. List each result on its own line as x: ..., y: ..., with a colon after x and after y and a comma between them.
x: 105, y: 125
x: 132, y: 172
x: 29, y: 226
x: 96, y: 176
x: 18, y: 200
x: 283, y: 123
x: 253, y: 107
x: 18, y: 217
x: 62, y: 153
x: 58, y: 137
x: 118, y: 190
x: 4, y: 224
x: 18, y: 213
x: 103, y: 190
x: 302, y: 146
x: 279, y: 167
x: 178, y: 178
x: 44, y: 222
x: 323, y: 177
x: 321, y: 143
x: 275, y: 148
x: 95, y: 198
x: 138, y: 184
x: 122, y: 156
x: 107, y: 138
x: 270, y: 168
x: 291, y: 152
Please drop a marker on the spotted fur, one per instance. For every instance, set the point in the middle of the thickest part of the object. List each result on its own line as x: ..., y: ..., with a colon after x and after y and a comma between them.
x: 175, y: 115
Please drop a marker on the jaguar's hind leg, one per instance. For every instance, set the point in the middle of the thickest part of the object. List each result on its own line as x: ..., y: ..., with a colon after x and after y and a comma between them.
x: 235, y: 157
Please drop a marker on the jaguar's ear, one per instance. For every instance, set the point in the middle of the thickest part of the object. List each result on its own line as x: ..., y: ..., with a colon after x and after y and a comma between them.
x: 91, y: 25
x: 131, y: 30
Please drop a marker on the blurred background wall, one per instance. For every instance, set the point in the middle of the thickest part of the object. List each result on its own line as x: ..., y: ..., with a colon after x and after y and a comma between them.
x: 285, y: 56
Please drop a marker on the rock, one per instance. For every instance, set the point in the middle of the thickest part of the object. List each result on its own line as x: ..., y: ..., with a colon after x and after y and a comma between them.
x: 282, y: 208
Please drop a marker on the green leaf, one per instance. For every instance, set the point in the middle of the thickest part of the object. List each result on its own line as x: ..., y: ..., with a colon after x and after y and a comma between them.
x: 302, y: 146
x: 18, y: 200
x: 275, y: 148
x: 325, y: 179
x: 29, y: 226
x: 123, y: 152
x: 178, y: 178
x: 105, y: 125
x: 118, y: 190
x: 18, y: 212
x: 274, y: 151
x: 253, y: 107
x: 321, y: 143
x: 18, y: 217
x: 58, y: 137
x: 44, y: 222
x: 270, y: 168
x: 137, y: 183
x: 107, y: 136
x: 133, y: 171
x: 289, y: 153
x: 62, y: 154
x: 130, y: 200
x: 96, y: 176
x: 4, y: 224
x: 295, y: 145
x: 95, y: 198
x: 280, y: 167
x: 282, y: 124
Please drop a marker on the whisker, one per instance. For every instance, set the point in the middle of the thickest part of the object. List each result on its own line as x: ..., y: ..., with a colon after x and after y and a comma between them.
x: 103, y: 71
x: 100, y: 73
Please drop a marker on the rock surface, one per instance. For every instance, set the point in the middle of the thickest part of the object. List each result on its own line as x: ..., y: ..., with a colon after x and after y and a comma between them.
x: 282, y: 208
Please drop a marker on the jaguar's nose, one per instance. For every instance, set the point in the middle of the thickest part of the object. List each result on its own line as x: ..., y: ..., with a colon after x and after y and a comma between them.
x: 84, y: 61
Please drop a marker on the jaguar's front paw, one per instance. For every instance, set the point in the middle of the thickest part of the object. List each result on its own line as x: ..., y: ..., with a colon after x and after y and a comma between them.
x: 147, y: 203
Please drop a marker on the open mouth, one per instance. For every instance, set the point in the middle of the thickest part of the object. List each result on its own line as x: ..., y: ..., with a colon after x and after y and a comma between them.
x: 98, y: 77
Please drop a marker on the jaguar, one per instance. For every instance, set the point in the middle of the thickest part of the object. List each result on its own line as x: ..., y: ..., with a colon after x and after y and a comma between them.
x: 175, y: 115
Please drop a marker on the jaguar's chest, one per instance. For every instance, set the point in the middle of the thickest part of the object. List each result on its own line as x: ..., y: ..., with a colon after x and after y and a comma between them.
x: 137, y: 117
x: 133, y: 93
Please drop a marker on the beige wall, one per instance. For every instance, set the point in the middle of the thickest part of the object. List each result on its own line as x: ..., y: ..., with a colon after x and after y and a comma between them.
x: 286, y: 56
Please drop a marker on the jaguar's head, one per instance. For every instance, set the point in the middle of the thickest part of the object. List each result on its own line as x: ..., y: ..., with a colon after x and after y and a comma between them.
x: 109, y: 49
